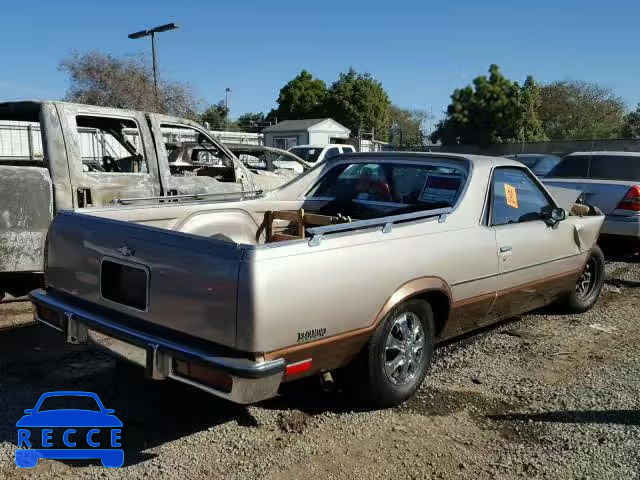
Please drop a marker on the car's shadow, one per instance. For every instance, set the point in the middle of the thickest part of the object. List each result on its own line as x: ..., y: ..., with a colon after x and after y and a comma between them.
x: 619, y: 417
x: 34, y: 360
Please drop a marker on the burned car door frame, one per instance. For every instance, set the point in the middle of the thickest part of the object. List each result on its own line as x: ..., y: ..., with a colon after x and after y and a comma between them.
x: 100, y: 187
x: 179, y: 185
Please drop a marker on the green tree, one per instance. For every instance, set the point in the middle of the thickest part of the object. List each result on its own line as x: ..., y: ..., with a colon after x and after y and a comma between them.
x: 216, y: 115
x: 529, y: 126
x: 631, y: 126
x: 573, y: 110
x: 357, y: 100
x: 250, y: 120
x: 406, y: 125
x: 98, y: 78
x: 492, y: 110
x: 302, y: 97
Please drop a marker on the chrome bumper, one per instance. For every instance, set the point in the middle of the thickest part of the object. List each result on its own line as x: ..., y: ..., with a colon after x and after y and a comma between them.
x: 251, y: 381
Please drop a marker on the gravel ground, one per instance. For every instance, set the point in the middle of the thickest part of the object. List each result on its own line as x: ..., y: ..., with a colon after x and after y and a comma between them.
x: 544, y: 396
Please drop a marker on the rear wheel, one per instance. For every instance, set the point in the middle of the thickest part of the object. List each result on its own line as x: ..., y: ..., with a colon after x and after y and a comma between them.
x: 589, y: 285
x: 394, y: 363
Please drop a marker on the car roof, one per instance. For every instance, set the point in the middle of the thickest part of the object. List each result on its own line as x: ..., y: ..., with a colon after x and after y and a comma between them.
x: 607, y: 152
x: 363, y: 156
x: 530, y: 155
x: 325, y: 146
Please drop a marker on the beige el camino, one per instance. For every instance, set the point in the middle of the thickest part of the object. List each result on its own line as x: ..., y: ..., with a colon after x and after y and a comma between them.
x: 358, y: 267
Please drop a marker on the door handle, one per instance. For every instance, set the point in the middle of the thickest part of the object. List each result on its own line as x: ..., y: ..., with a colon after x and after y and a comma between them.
x: 506, y: 248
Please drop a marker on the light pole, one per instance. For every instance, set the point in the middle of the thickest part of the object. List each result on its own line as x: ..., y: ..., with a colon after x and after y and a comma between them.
x: 226, y: 106
x: 152, y: 33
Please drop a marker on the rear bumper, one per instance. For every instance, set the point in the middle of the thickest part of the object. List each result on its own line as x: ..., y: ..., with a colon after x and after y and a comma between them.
x: 250, y: 381
x: 619, y: 226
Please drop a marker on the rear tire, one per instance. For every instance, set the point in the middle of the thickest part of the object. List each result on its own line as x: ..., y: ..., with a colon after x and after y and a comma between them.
x: 588, y: 287
x: 395, y: 361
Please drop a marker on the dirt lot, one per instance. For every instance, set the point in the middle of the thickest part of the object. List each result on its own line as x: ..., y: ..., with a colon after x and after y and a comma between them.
x: 544, y: 396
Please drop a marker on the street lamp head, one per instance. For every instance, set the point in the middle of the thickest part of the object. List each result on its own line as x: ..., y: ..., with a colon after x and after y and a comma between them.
x: 151, y: 31
x: 140, y: 34
x: 164, y: 28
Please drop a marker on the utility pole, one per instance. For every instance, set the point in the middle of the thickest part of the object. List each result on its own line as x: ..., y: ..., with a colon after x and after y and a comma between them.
x: 152, y: 33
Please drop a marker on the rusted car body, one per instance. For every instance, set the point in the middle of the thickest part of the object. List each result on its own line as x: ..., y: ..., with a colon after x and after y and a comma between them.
x: 90, y: 156
x: 365, y: 258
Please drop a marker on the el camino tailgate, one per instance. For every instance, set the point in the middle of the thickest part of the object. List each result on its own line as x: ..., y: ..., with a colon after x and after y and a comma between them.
x: 157, y: 277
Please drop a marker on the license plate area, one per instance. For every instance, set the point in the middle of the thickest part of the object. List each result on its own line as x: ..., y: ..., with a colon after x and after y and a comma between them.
x: 124, y: 350
x: 125, y: 284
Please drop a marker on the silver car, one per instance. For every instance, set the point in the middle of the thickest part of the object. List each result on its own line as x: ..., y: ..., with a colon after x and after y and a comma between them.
x: 609, y: 181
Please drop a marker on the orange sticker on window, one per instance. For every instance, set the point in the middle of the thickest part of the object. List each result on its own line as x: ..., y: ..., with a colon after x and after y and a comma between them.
x: 511, y: 194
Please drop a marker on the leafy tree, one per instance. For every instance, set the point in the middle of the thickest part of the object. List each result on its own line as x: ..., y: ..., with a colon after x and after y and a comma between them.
x: 97, y: 78
x: 493, y: 110
x: 571, y: 110
x: 631, y: 126
x: 302, y: 97
x: 357, y: 100
x: 216, y: 115
x: 406, y: 125
x: 250, y: 120
x: 529, y: 126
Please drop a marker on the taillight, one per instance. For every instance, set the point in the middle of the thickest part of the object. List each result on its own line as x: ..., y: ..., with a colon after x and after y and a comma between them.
x: 631, y: 200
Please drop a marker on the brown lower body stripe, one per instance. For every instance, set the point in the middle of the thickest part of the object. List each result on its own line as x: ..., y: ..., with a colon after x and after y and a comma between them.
x: 465, y: 315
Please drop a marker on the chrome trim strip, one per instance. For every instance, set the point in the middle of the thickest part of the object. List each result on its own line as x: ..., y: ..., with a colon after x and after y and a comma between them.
x: 378, y: 222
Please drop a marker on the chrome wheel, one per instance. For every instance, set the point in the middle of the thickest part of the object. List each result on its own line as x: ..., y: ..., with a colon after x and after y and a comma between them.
x: 403, y: 350
x: 588, y: 280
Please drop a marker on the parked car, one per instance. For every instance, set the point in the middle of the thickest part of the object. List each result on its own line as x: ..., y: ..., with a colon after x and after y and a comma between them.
x: 319, y: 153
x: 404, y: 250
x: 539, y: 163
x: 609, y: 181
x: 261, y: 159
x: 91, y: 156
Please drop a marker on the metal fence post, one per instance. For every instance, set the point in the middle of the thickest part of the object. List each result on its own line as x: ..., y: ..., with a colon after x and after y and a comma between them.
x: 30, y: 140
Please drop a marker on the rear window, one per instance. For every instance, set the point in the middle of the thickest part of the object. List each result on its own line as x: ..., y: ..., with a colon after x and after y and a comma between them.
x: 599, y: 167
x: 612, y: 167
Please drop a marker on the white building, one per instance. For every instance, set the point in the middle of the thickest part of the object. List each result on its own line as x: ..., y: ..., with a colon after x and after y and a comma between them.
x: 311, y: 131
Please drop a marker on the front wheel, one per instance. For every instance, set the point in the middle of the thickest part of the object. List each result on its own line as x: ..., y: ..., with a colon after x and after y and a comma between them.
x: 396, y: 359
x: 589, y: 285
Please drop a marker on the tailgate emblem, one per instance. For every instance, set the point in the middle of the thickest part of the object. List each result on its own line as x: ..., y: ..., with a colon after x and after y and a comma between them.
x: 126, y: 251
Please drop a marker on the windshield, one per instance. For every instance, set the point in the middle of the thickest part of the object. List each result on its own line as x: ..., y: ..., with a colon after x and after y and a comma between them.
x: 69, y: 402
x: 310, y: 154
x: 369, y: 190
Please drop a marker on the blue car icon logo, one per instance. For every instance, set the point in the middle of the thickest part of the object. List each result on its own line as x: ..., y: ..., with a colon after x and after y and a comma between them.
x: 69, y: 425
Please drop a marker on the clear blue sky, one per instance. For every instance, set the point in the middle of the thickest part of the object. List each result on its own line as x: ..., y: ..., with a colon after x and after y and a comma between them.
x: 419, y: 50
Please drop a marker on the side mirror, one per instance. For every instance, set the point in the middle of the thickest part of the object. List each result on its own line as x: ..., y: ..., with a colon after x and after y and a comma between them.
x: 556, y: 215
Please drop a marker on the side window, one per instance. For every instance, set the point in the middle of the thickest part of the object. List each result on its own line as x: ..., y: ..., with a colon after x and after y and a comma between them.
x: 347, y: 149
x: 362, y: 181
x: 516, y: 198
x: 191, y: 153
x: 110, y: 145
x: 332, y: 152
x: 285, y: 143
